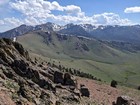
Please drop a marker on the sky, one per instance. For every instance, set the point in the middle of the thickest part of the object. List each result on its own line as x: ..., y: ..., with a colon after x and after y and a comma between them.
x: 14, y: 13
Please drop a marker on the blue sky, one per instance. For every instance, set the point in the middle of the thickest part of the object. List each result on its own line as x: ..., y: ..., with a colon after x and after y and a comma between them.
x: 96, y: 12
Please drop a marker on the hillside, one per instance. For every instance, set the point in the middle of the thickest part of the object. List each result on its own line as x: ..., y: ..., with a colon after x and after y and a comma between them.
x: 107, y: 52
x: 27, y: 81
x: 61, y: 46
x: 88, y: 55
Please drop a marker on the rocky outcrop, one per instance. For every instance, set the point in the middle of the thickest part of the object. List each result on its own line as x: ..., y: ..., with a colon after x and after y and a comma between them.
x: 11, y: 53
x: 125, y: 100
x: 68, y: 80
x: 21, y: 50
x: 31, y: 81
x: 63, y: 78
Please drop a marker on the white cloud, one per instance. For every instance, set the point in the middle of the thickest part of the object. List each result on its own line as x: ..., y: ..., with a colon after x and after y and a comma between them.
x: 39, y: 8
x: 11, y: 22
x: 72, y: 9
x: 35, y: 12
x: 110, y: 19
x: 31, y: 21
x: 55, y: 6
x: 132, y: 10
x: 33, y: 8
x: 1, y: 22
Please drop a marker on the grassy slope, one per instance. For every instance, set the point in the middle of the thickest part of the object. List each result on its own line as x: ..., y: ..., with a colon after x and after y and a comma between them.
x: 101, y: 61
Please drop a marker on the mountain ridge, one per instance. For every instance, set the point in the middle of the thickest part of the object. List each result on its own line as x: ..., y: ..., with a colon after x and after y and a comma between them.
x: 107, y: 33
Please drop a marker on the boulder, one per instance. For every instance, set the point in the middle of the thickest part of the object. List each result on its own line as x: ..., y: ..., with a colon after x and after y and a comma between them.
x: 20, y: 67
x: 84, y: 91
x: 20, y: 64
x: 57, y: 103
x: 68, y: 80
x: 24, y: 91
x: 58, y: 77
x: 71, y: 97
x: 77, y: 93
x: 4, y: 58
x: 7, y: 41
x: 125, y: 100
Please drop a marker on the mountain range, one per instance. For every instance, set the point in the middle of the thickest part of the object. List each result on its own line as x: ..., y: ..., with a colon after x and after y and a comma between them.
x: 108, y: 33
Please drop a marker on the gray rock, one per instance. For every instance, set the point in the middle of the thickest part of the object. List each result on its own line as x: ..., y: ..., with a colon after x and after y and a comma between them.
x: 125, y: 100
x: 84, y: 91
x: 58, y: 77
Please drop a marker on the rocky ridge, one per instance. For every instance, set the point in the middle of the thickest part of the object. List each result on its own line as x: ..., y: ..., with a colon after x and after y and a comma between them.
x: 28, y: 81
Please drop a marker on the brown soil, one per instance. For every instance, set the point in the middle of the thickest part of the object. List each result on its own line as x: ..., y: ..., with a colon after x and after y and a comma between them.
x: 5, y: 99
x: 100, y: 93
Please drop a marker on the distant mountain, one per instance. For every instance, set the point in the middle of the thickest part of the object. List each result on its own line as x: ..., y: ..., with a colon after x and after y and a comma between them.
x: 23, y: 29
x: 48, y: 27
x: 107, y: 33
x: 117, y: 33
x: 72, y: 29
x: 17, y: 31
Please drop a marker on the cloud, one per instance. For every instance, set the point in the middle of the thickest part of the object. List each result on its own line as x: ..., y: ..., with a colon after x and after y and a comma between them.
x: 72, y: 9
x: 11, y: 21
x: 55, y: 6
x: 132, y: 10
x: 110, y: 19
x: 41, y: 8
x: 32, y: 8
x: 35, y: 12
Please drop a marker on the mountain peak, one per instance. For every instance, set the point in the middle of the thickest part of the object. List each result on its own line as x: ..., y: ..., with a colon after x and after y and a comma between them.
x: 102, y: 32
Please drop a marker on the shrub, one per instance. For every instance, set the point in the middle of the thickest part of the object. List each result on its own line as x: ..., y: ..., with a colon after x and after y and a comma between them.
x: 138, y: 87
x: 114, y: 83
